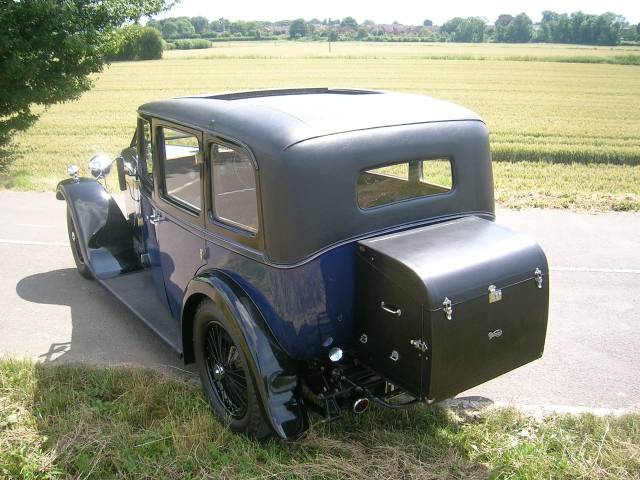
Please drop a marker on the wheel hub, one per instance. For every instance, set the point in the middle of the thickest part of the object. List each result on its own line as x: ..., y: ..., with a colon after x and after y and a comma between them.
x: 225, y: 371
x: 218, y: 372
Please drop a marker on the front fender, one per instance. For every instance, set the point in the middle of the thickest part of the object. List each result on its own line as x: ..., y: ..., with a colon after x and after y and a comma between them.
x: 275, y: 380
x: 105, y: 236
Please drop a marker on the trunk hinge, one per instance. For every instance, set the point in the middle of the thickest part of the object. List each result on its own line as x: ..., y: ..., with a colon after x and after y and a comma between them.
x: 204, y: 254
x: 538, y: 276
x: 447, y: 308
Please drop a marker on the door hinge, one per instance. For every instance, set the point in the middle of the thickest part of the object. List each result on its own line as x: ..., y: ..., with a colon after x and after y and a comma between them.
x: 204, y: 254
x: 419, y: 344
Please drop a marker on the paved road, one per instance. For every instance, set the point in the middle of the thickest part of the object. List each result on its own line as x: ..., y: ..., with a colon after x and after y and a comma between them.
x: 592, y: 357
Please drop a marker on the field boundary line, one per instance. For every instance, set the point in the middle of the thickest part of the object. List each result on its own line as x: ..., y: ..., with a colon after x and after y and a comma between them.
x: 596, y: 270
x: 7, y: 241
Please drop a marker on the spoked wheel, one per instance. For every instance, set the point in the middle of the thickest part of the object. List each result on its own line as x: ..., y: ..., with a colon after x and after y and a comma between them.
x: 81, y: 266
x: 224, y: 370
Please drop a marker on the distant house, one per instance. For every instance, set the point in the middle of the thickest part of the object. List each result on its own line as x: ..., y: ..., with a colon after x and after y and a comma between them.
x: 277, y: 29
x: 346, y: 29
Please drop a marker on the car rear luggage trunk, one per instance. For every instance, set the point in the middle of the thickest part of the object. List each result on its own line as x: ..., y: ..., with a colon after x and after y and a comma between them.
x: 449, y: 306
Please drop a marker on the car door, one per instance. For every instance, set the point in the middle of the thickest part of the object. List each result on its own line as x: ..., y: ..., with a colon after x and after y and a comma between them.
x: 178, y: 214
x: 145, y: 193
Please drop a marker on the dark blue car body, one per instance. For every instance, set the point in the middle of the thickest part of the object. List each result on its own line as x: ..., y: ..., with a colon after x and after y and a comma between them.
x: 289, y: 279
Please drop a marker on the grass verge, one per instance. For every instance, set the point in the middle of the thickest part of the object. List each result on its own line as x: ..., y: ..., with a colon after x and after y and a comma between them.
x: 88, y: 422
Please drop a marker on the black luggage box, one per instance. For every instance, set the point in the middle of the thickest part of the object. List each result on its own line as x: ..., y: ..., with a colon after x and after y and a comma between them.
x: 446, y: 307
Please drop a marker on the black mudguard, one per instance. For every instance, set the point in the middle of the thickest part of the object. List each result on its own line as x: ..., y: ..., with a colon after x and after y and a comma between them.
x: 275, y: 379
x: 105, y: 235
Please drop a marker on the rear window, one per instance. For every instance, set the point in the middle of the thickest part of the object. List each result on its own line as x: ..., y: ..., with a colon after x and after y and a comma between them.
x: 404, y: 181
x: 234, y: 187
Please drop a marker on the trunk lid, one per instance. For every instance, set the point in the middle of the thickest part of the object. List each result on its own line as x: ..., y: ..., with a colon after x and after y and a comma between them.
x: 470, y: 299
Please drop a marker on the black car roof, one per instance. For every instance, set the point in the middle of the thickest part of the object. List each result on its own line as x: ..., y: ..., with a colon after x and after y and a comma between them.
x: 286, y: 117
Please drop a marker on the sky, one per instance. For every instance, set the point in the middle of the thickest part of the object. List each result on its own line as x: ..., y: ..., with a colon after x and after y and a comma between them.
x: 404, y: 11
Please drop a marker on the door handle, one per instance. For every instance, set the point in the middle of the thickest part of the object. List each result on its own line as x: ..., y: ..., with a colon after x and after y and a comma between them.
x: 390, y: 309
x: 155, y: 218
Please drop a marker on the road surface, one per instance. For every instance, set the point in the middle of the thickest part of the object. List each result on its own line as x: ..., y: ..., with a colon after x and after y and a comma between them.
x: 592, y: 356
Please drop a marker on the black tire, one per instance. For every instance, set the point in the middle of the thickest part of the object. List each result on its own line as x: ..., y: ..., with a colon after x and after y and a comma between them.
x: 81, y: 266
x: 227, y: 382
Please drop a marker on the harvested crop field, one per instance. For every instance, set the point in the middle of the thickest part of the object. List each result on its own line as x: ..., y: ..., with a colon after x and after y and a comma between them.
x: 565, y: 134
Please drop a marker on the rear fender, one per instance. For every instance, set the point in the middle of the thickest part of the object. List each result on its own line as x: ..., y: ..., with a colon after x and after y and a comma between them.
x: 275, y: 378
x: 105, y: 237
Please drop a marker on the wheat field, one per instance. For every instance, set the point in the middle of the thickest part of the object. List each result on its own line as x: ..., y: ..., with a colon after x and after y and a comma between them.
x: 564, y: 134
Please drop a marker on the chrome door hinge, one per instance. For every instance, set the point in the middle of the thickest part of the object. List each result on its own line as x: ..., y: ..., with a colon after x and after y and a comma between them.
x: 204, y: 254
x: 447, y: 308
x: 156, y: 218
x: 538, y: 276
x: 420, y: 345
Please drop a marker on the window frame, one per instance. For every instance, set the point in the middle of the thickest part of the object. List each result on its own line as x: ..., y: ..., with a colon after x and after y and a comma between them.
x: 450, y: 191
x: 171, y: 204
x: 232, y: 232
x: 147, y: 180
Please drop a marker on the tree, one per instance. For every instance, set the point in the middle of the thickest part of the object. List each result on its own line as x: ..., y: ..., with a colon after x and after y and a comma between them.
x: 469, y: 29
x: 349, y: 22
x: 504, y: 20
x: 298, y: 28
x: 500, y: 27
x: 362, y: 33
x: 520, y: 29
x: 138, y: 43
x: 450, y: 26
x: 169, y: 29
x: 150, y: 44
x: 200, y: 24
x: 427, y: 23
x: 605, y: 29
x: 184, y: 28
x: 48, y: 49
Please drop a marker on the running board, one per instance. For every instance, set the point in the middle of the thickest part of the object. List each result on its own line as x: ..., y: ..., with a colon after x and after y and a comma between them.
x: 138, y: 292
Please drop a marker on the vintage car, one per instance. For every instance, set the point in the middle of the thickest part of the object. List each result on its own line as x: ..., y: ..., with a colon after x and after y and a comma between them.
x: 314, y: 250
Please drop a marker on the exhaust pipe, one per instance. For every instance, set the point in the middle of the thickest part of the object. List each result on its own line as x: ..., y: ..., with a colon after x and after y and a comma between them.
x: 360, y: 405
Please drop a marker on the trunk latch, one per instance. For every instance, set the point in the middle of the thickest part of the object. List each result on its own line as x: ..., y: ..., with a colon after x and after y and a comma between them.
x: 538, y: 276
x: 447, y: 308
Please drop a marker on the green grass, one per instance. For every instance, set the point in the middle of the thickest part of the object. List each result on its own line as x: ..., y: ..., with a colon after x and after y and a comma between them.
x: 580, y: 121
x: 91, y: 422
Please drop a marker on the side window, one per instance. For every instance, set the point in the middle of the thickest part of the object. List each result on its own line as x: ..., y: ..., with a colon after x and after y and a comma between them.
x: 145, y: 151
x: 181, y: 152
x: 404, y: 181
x: 234, y: 187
